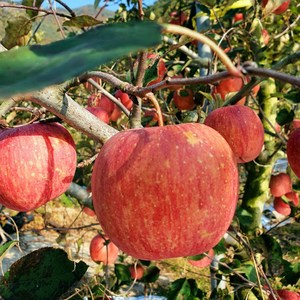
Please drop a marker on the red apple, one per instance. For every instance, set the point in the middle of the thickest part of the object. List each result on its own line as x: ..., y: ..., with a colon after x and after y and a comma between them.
x: 90, y: 87
x: 281, y: 207
x: 184, y: 99
x: 203, y: 262
x: 238, y: 17
x: 265, y: 36
x: 292, y: 197
x: 124, y: 98
x: 100, y: 113
x: 231, y: 85
x: 37, y: 164
x: 241, y: 128
x: 101, y: 101
x: 116, y: 114
x: 280, y: 184
x: 295, y: 124
x: 177, y: 18
x: 182, y: 179
x: 88, y: 211
x: 103, y: 250
x: 282, y: 8
x: 286, y: 295
x: 293, y: 151
x: 136, y: 271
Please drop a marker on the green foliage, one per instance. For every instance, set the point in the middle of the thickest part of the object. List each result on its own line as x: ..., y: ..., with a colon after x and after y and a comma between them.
x: 34, y: 67
x: 41, y: 275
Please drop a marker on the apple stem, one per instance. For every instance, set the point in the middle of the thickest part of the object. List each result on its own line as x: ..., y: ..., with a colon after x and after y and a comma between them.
x: 154, y: 101
x: 176, y: 29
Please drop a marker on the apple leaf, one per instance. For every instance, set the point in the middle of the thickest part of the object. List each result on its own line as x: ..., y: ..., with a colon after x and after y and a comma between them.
x: 34, y: 67
x: 44, y: 274
x: 122, y: 272
x: 183, y: 288
x: 151, y: 274
x: 32, y: 3
x: 5, y: 248
x: 285, y: 116
x: 82, y: 21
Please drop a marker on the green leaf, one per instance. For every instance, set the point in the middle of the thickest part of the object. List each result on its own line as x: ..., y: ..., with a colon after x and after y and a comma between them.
x: 5, y: 248
x: 16, y: 32
x: 151, y: 274
x: 82, y: 21
x: 285, y: 116
x: 96, y: 3
x: 35, y: 67
x: 32, y: 3
x: 293, y: 96
x: 182, y: 288
x: 122, y: 272
x: 44, y: 274
x: 249, y: 270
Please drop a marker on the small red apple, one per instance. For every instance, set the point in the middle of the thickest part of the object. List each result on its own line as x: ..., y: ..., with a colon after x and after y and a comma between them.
x: 90, y: 87
x: 101, y: 101
x: 203, y: 262
x: 88, y: 211
x: 238, y: 17
x: 136, y: 271
x: 286, y: 295
x: 124, y: 98
x: 184, y: 99
x: 178, y: 18
x: 37, y: 164
x: 281, y: 207
x: 265, y: 36
x: 293, y: 151
x: 293, y: 197
x: 116, y: 114
x: 241, y: 128
x: 100, y: 113
x: 182, y: 179
x: 103, y: 250
x: 280, y: 184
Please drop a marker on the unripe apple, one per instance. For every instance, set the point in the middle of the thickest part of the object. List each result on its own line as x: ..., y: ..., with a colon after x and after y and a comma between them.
x: 136, y: 271
x: 37, y: 164
x: 241, y: 128
x: 100, y: 113
x: 182, y: 179
x: 281, y: 207
x: 184, y: 99
x: 203, y: 262
x: 280, y: 184
x: 103, y: 250
x: 286, y: 295
x: 293, y: 151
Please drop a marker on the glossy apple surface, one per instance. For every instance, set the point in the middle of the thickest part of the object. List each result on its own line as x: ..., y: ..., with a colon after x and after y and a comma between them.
x: 293, y: 151
x: 280, y: 184
x: 102, y: 250
x: 241, y: 128
x: 37, y: 164
x: 182, y: 180
x: 281, y: 207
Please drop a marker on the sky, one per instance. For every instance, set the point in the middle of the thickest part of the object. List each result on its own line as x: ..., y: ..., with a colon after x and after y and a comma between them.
x: 111, y: 6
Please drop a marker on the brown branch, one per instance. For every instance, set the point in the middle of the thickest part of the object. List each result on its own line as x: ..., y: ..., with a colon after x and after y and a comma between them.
x: 57, y: 21
x: 72, y: 13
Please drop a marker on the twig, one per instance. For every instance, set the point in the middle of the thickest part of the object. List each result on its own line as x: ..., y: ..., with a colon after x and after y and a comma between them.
x: 56, y: 19
x: 63, y: 4
x: 154, y: 101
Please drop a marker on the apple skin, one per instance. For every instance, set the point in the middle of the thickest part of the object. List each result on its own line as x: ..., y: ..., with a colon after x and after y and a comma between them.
x: 204, y: 262
x: 241, y: 128
x: 281, y: 207
x: 293, y: 197
x: 182, y: 179
x: 265, y: 36
x: 184, y: 99
x: 101, y: 101
x: 230, y: 85
x: 178, y: 18
x: 100, y: 252
x: 136, y: 271
x: 88, y: 211
x: 100, y: 113
x: 293, y: 151
x: 280, y: 9
x: 238, y: 17
x: 280, y: 184
x: 37, y: 164
x: 124, y: 97
x: 286, y: 295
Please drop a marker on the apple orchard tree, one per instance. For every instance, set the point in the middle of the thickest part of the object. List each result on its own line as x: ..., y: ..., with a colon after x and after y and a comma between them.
x: 177, y: 125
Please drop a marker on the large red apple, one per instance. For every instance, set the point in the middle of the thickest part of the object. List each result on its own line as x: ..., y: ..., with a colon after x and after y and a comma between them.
x: 162, y: 192
x: 280, y: 184
x: 293, y: 151
x: 286, y: 295
x: 241, y: 128
x: 37, y: 164
x: 103, y: 250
